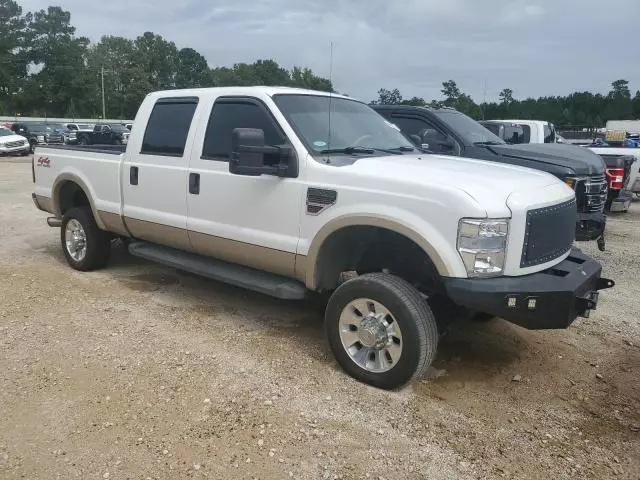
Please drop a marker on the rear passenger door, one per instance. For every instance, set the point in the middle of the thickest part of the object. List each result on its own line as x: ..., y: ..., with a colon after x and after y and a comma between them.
x: 154, y: 174
x: 253, y: 221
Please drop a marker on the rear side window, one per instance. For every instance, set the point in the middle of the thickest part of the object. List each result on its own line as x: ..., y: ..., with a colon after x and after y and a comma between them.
x: 229, y: 114
x: 168, y: 127
x: 549, y: 133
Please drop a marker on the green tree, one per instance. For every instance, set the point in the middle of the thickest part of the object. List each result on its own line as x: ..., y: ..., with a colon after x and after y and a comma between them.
x: 192, y: 70
x: 451, y: 93
x: 305, y: 78
x: 158, y: 59
x: 59, y: 58
x: 13, y: 62
x: 414, y: 101
x: 506, y: 96
x: 388, y: 97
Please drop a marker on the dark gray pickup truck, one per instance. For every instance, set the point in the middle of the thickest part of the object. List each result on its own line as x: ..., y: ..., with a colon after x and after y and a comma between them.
x: 449, y: 132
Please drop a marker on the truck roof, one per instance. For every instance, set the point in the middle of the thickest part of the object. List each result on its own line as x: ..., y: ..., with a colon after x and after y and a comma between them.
x: 270, y: 91
x: 413, y: 107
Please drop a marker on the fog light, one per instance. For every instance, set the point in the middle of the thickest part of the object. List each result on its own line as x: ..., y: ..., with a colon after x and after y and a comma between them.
x: 531, y: 305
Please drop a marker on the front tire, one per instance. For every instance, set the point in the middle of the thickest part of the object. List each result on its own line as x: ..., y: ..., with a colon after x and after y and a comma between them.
x: 85, y: 246
x: 381, y: 330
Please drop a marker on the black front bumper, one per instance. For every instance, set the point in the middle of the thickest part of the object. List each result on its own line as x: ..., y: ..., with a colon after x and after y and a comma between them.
x: 590, y: 226
x: 550, y: 299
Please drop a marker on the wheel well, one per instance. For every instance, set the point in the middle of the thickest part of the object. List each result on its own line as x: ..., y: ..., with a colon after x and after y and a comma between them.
x: 366, y: 249
x: 71, y: 195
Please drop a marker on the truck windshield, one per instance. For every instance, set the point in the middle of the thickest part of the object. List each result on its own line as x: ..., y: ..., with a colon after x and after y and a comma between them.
x: 471, y: 131
x: 339, y: 125
x: 5, y: 133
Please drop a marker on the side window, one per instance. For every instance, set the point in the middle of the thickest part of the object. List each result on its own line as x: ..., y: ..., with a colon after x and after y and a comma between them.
x: 427, y: 133
x: 549, y: 133
x: 229, y: 114
x: 409, y: 126
x: 168, y: 127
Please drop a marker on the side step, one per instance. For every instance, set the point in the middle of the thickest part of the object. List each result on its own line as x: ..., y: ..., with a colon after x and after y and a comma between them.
x: 238, y: 275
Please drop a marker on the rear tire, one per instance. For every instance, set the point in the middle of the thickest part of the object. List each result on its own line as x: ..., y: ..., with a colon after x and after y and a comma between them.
x: 85, y: 246
x: 389, y: 344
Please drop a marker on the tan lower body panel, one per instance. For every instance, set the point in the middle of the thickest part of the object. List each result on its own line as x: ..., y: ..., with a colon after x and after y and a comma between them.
x: 255, y: 256
x: 160, y: 234
x: 45, y: 203
x: 113, y: 223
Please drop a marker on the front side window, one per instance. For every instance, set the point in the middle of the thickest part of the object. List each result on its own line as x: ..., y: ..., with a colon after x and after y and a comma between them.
x: 330, y: 123
x: 226, y: 115
x: 168, y: 127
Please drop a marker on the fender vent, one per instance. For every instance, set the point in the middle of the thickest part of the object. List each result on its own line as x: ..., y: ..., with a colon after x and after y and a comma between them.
x: 319, y: 200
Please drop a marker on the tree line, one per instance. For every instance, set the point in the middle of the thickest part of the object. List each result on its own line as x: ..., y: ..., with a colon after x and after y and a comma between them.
x: 47, y: 70
x: 579, y: 109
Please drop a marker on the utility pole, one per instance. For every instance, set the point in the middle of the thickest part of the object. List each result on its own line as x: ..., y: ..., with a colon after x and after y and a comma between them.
x: 103, y: 106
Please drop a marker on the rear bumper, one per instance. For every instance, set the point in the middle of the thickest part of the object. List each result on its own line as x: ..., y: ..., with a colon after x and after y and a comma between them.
x: 551, y: 299
x: 590, y: 226
x: 622, y: 201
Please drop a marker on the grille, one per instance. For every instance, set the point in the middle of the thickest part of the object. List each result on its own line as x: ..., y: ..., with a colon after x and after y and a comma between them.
x: 319, y: 200
x: 549, y: 233
x: 54, y: 138
x: 591, y: 194
x: 19, y: 143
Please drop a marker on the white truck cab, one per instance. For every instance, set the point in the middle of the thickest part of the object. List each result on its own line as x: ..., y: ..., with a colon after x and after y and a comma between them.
x: 293, y: 192
x: 524, y: 131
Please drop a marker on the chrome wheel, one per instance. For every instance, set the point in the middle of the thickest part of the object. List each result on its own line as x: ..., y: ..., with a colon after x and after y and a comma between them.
x: 75, y: 240
x: 370, y: 335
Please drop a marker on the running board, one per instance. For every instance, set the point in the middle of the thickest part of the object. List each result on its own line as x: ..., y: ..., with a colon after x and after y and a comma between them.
x: 238, y: 275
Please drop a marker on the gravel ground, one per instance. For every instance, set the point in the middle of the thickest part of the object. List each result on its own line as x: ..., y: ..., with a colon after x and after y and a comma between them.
x: 139, y: 371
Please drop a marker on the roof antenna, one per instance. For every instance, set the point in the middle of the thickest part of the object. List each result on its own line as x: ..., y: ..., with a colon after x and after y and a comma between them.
x: 330, y: 94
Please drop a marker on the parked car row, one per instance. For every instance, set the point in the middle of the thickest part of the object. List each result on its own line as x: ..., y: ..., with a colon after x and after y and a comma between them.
x: 295, y: 193
x: 621, y: 155
x: 37, y: 133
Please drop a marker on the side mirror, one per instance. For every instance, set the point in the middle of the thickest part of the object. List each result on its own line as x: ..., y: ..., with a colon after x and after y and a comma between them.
x: 447, y: 144
x: 415, y: 139
x: 248, y: 152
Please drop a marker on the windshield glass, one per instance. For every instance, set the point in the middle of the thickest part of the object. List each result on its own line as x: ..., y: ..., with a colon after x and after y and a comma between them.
x: 5, y: 133
x: 467, y: 128
x: 118, y: 128
x: 352, y: 123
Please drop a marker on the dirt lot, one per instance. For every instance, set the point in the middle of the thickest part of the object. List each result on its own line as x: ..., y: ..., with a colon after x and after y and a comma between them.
x: 139, y: 371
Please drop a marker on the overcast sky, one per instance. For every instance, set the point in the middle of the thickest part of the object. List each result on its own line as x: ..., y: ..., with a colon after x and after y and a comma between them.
x: 535, y: 47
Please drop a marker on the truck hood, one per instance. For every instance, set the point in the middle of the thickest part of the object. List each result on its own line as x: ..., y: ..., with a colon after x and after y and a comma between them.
x: 488, y: 183
x: 12, y: 138
x: 581, y: 160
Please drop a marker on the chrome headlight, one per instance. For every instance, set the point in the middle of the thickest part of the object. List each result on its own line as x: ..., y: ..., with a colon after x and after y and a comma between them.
x: 482, y: 245
x: 40, y: 138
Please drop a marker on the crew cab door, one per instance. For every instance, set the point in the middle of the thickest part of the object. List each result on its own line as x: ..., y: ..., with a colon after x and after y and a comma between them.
x: 253, y: 221
x: 154, y: 174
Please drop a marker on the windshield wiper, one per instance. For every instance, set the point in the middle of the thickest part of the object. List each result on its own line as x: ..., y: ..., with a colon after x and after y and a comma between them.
x: 404, y: 149
x: 488, y: 142
x: 349, y: 150
x: 364, y: 150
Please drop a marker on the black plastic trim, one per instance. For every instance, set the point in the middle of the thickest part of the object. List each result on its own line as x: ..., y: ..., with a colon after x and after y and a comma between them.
x: 562, y: 293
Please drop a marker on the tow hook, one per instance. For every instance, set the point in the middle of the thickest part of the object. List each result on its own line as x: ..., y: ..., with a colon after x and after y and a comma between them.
x: 601, y: 243
x: 54, y: 222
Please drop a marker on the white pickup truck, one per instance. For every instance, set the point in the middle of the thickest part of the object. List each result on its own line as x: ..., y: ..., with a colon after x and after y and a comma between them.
x: 290, y: 192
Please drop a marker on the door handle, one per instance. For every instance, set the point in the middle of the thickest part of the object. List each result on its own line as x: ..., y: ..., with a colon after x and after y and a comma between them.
x: 194, y: 183
x: 133, y: 175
